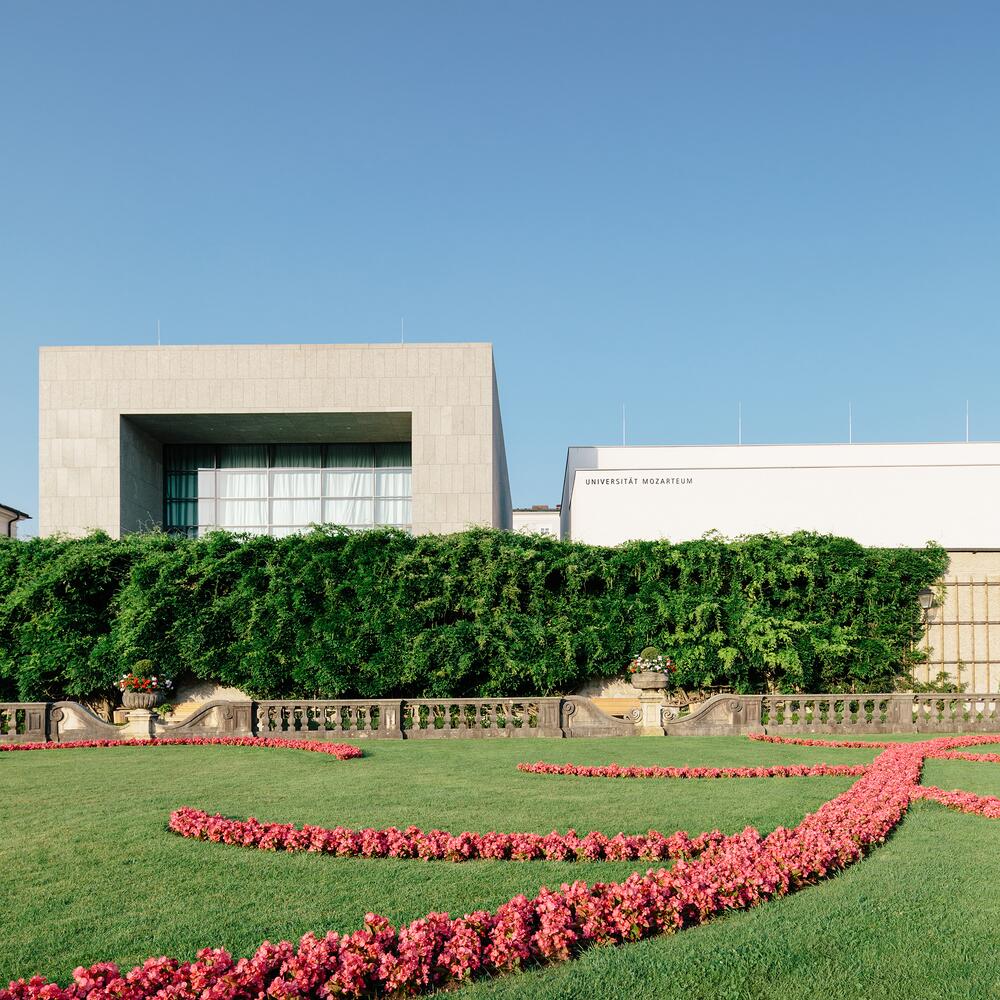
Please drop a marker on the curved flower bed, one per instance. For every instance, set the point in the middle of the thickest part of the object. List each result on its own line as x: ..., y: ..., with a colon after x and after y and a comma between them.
x: 342, y: 751
x: 803, y: 742
x: 731, y: 873
x: 980, y: 805
x: 778, y: 771
x: 988, y: 758
x: 439, y: 845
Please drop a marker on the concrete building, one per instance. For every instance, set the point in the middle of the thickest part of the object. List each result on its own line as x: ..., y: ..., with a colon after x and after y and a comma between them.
x: 270, y: 438
x: 540, y: 519
x: 9, y: 518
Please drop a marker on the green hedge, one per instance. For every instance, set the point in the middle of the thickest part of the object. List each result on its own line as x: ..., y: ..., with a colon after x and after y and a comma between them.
x: 483, y: 612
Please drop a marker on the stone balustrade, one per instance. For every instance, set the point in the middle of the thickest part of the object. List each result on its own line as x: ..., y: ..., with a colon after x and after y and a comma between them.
x: 479, y: 718
x: 22, y: 721
x: 846, y: 715
x: 839, y: 714
x: 330, y: 719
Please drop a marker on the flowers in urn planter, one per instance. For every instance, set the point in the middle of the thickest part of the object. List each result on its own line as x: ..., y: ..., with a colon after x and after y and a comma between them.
x: 651, y: 660
x: 142, y: 678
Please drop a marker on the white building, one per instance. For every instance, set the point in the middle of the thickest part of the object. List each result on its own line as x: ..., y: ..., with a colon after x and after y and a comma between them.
x: 9, y: 518
x: 541, y: 519
x: 877, y: 494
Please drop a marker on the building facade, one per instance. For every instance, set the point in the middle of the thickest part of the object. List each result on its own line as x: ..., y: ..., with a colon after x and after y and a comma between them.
x: 270, y: 439
x: 539, y: 519
x: 880, y: 495
x: 9, y: 519
x: 877, y: 494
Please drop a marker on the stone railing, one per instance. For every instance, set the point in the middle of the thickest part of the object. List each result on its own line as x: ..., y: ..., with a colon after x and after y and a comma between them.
x: 480, y: 718
x: 325, y: 719
x: 954, y: 713
x: 863, y: 715
x: 23, y: 721
x: 328, y: 719
x: 835, y: 714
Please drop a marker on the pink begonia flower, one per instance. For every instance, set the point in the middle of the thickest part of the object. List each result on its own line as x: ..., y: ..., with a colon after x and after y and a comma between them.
x: 713, y: 873
x: 777, y: 771
x: 342, y: 751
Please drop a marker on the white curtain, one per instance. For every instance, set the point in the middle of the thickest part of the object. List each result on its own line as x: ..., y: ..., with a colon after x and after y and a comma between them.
x: 206, y: 482
x: 350, y: 512
x: 206, y: 512
x: 392, y: 512
x: 240, y: 485
x: 393, y: 484
x: 348, y: 484
x: 296, y: 512
x: 242, y: 513
x: 295, y: 484
x: 290, y: 499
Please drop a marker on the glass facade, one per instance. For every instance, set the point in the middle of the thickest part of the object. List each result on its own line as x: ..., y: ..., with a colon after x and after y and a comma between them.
x: 280, y: 489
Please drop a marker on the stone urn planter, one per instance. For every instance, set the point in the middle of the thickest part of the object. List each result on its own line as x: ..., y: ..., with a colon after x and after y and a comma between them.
x: 650, y: 680
x: 142, y: 699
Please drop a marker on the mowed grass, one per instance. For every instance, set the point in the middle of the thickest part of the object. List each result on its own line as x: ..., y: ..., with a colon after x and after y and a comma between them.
x: 89, y: 872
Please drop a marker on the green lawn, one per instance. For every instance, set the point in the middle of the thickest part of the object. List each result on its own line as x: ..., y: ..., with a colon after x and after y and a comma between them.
x: 88, y: 871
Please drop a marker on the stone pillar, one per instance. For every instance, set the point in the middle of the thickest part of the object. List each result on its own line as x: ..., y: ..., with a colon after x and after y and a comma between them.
x: 751, y: 713
x: 141, y: 725
x: 651, y: 713
x: 548, y: 717
x: 236, y: 718
x: 390, y: 719
x: 900, y: 714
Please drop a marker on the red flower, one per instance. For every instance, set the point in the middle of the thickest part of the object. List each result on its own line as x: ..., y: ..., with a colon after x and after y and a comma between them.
x: 714, y: 873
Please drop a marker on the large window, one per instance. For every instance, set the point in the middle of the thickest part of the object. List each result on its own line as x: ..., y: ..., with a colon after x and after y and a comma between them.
x: 280, y: 489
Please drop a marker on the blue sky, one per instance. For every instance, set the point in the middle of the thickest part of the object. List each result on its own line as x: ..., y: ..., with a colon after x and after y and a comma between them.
x: 675, y: 206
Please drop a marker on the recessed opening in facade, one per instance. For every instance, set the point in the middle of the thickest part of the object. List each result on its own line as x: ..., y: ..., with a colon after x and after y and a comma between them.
x: 272, y: 474
x: 282, y: 489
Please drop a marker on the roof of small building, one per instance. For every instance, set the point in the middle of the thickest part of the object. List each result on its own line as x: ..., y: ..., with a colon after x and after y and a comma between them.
x: 19, y: 515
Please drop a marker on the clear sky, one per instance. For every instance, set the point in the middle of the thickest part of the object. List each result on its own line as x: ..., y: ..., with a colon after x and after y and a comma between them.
x: 678, y: 206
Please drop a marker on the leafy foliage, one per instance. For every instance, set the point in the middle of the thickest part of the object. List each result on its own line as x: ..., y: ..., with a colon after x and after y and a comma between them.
x: 488, y: 613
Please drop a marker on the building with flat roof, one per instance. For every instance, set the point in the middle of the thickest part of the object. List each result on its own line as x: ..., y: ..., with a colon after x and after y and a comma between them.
x: 877, y: 494
x: 539, y: 519
x: 270, y: 439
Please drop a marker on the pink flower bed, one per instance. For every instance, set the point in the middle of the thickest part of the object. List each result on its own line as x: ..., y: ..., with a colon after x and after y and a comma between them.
x: 779, y: 771
x: 439, y: 845
x: 731, y: 873
x: 980, y: 805
x: 989, y: 758
x: 802, y: 742
x: 342, y: 751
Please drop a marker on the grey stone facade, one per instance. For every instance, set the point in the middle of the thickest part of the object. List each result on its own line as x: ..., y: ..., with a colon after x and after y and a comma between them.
x: 105, y: 412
